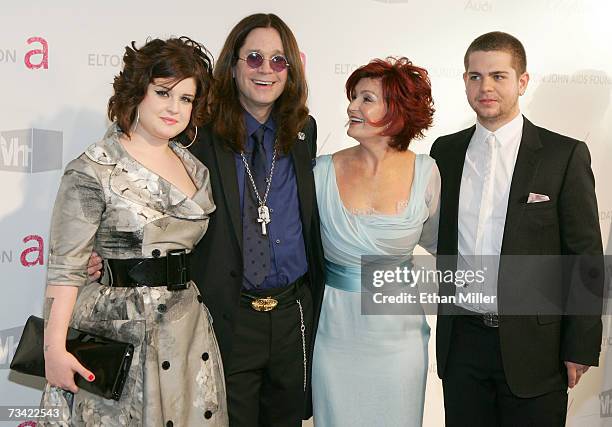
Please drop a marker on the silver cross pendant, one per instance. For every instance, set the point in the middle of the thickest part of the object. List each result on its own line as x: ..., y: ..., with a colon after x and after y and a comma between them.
x: 263, y: 216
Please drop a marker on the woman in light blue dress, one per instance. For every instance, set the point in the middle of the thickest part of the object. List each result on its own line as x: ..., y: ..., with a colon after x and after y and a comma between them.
x: 377, y: 198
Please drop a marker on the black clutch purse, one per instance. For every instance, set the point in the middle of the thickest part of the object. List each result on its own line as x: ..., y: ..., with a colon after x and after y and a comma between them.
x: 109, y: 360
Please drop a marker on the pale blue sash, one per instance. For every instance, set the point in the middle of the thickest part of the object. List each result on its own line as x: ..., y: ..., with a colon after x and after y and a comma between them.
x: 343, y: 277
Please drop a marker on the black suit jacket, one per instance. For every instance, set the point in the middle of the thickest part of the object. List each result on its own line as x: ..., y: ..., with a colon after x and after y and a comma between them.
x: 217, y: 265
x: 533, y: 346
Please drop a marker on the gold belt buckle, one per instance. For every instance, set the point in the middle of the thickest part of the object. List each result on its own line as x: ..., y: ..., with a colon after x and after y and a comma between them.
x: 264, y: 304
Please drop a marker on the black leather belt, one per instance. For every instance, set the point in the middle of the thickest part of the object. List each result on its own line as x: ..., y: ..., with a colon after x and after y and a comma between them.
x: 490, y: 320
x: 267, y: 300
x: 171, y: 271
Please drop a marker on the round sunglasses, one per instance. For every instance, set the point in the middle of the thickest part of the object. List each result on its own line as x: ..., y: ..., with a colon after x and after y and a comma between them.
x: 278, y: 63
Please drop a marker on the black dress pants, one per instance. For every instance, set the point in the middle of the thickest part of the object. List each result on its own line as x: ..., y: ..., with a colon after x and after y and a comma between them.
x: 265, y: 373
x: 476, y: 392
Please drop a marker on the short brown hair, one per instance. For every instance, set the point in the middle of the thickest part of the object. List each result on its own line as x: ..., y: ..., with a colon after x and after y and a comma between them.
x: 175, y: 58
x: 290, y: 111
x: 407, y: 94
x: 498, y: 40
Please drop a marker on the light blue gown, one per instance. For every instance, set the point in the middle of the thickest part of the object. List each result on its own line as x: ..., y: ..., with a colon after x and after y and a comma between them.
x: 370, y: 370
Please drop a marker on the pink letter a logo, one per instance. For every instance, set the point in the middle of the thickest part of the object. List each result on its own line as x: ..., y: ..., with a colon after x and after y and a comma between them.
x: 44, y: 63
x: 38, y: 249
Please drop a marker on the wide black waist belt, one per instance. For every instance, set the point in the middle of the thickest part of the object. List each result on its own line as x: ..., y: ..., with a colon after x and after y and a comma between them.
x: 267, y: 300
x: 171, y: 270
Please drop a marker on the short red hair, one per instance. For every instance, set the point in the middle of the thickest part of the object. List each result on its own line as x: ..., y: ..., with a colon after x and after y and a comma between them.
x: 407, y: 94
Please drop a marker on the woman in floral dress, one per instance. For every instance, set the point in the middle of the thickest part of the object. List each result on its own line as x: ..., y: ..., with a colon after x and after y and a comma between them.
x: 138, y: 198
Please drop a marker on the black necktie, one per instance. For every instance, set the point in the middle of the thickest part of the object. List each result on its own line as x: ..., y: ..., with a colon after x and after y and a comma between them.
x: 259, y: 160
x: 255, y: 247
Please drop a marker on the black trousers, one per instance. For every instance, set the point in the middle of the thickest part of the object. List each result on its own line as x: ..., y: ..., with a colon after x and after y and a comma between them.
x: 476, y: 392
x: 265, y: 376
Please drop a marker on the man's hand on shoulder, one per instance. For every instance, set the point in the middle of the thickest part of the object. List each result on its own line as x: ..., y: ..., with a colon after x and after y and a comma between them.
x: 94, y: 267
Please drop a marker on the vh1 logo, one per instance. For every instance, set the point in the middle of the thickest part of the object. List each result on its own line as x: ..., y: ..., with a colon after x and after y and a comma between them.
x: 605, y: 404
x: 30, y: 150
x: 9, y: 338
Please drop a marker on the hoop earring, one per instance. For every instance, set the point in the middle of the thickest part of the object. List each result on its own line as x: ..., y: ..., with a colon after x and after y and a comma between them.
x: 136, y: 121
x: 192, y: 141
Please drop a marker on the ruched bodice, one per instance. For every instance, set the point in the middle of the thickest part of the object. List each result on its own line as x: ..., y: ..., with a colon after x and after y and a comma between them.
x: 347, y: 235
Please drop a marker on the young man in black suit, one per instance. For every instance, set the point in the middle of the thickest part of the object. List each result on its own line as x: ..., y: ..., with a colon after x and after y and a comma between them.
x: 510, y: 188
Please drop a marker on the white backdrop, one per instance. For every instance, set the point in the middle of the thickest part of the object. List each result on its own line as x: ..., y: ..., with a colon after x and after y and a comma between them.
x: 57, y: 61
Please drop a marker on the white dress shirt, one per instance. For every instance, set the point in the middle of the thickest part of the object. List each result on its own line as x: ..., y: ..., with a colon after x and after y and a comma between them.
x: 483, y: 201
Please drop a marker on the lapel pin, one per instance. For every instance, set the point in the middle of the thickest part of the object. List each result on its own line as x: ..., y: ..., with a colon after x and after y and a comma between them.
x: 301, y: 136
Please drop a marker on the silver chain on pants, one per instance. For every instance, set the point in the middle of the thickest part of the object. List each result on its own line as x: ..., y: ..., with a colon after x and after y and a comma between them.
x: 303, y: 330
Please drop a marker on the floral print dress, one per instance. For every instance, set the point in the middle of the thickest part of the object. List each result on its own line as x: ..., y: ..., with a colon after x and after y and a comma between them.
x: 110, y: 203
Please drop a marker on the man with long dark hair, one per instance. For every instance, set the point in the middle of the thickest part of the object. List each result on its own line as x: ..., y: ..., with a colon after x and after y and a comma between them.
x: 260, y: 264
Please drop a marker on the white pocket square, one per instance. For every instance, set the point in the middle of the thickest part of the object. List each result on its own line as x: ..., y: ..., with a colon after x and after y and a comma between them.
x: 537, y: 198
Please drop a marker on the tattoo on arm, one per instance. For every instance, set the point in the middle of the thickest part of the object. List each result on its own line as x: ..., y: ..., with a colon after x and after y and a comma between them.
x: 46, y: 348
x: 47, y: 309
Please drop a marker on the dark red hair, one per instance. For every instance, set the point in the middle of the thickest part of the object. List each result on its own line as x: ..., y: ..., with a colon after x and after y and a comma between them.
x: 407, y: 94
